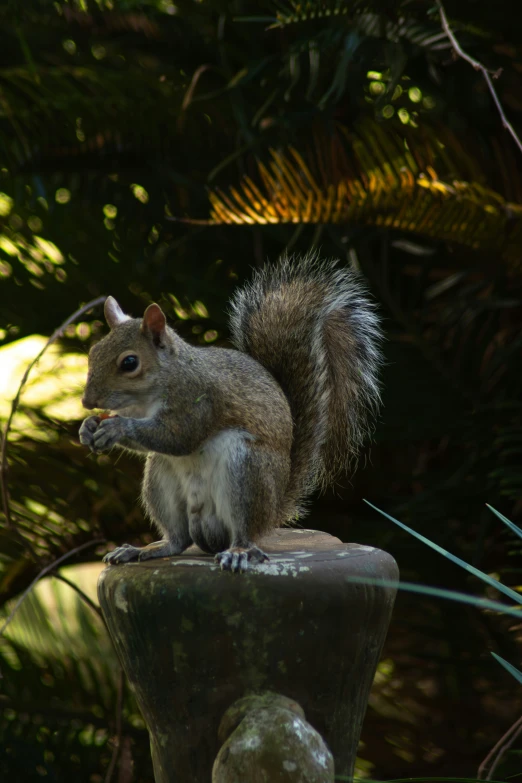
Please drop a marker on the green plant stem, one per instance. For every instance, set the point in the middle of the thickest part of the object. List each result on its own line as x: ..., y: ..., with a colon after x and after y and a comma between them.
x: 80, y: 592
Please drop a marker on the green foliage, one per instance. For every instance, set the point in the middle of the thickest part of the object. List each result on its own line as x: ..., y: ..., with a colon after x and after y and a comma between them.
x: 60, y: 690
x: 117, y: 116
x: 378, y: 175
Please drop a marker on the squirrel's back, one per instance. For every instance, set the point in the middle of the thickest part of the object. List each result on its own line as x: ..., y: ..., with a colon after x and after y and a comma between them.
x: 311, y: 324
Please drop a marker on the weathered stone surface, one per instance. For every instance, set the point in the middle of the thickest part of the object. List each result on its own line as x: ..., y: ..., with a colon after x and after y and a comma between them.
x: 267, y: 740
x: 194, y: 639
x: 240, y: 709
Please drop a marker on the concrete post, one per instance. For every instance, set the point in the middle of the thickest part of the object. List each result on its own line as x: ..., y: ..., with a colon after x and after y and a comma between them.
x: 193, y: 640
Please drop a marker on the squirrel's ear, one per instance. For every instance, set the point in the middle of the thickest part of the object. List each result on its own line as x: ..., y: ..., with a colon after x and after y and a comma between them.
x: 154, y: 324
x: 114, y: 315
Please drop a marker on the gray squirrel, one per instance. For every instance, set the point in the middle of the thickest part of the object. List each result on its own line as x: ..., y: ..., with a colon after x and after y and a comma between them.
x: 237, y: 439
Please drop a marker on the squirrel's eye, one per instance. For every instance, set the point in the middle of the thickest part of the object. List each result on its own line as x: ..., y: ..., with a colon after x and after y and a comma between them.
x: 129, y: 363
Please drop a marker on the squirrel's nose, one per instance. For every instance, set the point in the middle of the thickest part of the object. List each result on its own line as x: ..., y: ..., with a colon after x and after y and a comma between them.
x: 89, y: 400
x: 87, y: 403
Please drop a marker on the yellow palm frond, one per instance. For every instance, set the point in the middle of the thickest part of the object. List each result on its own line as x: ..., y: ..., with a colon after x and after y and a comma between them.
x: 414, y: 180
x: 296, y: 11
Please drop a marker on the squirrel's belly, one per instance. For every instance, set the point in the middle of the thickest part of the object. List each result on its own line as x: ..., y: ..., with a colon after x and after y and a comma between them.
x: 206, y: 476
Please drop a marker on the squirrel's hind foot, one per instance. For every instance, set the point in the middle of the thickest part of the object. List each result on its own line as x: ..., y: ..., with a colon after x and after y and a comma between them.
x: 122, y: 554
x: 237, y: 558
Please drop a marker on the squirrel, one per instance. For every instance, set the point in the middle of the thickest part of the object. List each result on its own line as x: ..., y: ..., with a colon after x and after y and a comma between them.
x: 236, y: 440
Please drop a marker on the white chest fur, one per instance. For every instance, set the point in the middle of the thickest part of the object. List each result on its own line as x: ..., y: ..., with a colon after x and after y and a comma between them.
x: 205, y: 479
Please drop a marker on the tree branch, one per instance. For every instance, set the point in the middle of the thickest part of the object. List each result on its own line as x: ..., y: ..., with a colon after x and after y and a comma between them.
x: 14, y: 407
x: 479, y: 67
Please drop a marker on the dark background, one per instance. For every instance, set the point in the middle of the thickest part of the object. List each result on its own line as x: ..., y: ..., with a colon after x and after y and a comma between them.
x: 123, y: 126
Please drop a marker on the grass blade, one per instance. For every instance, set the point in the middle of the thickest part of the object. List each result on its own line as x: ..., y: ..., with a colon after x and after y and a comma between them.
x: 416, y: 780
x: 506, y: 521
x: 517, y: 674
x: 438, y: 592
x: 457, y: 560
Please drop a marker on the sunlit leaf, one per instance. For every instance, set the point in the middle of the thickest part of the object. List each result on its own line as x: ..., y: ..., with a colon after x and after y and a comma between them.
x: 380, y: 176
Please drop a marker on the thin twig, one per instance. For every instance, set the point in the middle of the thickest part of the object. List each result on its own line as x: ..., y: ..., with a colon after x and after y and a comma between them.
x: 513, y: 730
x: 14, y: 407
x: 479, y: 67
x: 80, y: 592
x: 190, y: 221
x: 198, y: 73
x: 117, y: 741
x: 45, y: 571
x: 503, y: 750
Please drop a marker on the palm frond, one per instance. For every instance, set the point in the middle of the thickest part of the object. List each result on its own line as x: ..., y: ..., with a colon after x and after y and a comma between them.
x: 377, y: 175
x: 106, y: 114
x: 294, y: 11
x: 369, y: 18
x: 60, y: 679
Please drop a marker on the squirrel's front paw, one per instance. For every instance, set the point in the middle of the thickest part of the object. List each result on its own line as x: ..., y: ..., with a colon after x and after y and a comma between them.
x: 237, y: 558
x: 107, y: 434
x: 87, y: 430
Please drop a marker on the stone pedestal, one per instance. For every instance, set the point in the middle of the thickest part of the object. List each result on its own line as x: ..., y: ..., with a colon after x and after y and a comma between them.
x: 193, y: 639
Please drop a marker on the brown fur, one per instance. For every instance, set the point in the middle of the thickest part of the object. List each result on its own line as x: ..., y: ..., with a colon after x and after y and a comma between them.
x: 311, y: 324
x: 272, y: 419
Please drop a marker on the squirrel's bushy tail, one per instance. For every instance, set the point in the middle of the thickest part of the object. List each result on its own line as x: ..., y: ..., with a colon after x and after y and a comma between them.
x: 311, y: 324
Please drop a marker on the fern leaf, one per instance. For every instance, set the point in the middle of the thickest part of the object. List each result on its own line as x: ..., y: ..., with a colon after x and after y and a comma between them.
x: 372, y: 174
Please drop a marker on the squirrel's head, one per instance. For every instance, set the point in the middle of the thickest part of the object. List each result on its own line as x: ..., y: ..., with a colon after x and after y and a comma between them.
x: 126, y: 365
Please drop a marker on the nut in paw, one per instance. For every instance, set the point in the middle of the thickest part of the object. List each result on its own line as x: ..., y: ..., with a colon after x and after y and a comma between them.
x: 107, y: 434
x: 87, y: 430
